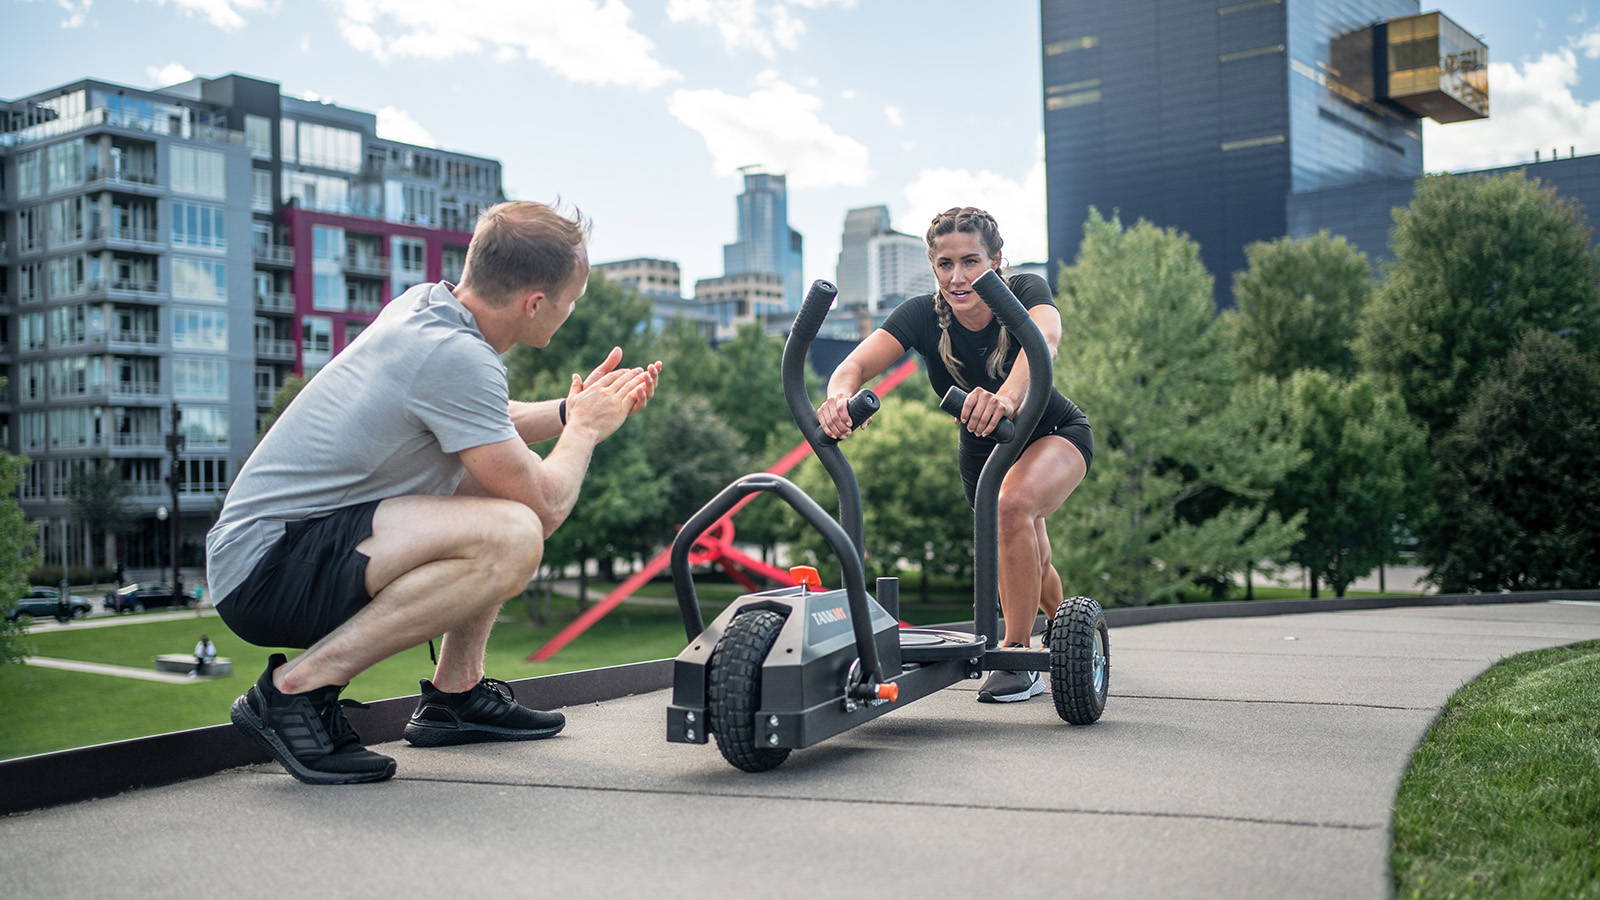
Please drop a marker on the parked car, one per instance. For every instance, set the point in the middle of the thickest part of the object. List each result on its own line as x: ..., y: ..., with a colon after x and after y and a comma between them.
x: 45, y: 603
x: 144, y: 595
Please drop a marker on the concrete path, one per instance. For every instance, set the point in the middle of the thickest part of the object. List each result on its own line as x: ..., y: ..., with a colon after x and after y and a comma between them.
x: 111, y: 620
x: 73, y: 665
x: 1240, y: 757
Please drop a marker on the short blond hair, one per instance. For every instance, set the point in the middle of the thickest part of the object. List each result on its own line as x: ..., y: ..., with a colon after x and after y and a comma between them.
x: 522, y: 246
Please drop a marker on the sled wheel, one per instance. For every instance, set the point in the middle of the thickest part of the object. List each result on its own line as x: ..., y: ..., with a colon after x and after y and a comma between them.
x: 1080, y: 660
x: 735, y: 690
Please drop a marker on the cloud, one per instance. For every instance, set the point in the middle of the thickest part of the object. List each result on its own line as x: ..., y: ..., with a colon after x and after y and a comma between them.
x: 77, y: 12
x: 395, y: 124
x: 895, y: 115
x: 587, y: 41
x: 225, y: 14
x: 776, y: 126
x: 765, y: 26
x: 1018, y: 204
x: 171, y: 73
x: 1533, y: 106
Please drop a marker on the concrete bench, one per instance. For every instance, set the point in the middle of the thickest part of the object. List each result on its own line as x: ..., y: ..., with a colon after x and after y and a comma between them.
x: 181, y: 663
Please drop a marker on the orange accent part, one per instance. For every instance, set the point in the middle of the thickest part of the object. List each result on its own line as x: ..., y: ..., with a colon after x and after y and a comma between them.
x: 805, y: 576
x: 889, y: 692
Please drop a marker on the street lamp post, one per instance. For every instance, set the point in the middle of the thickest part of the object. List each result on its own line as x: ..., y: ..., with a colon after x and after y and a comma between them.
x: 175, y: 442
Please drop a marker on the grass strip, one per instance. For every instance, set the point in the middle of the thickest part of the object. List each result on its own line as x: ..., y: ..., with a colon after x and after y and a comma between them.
x: 1502, y: 798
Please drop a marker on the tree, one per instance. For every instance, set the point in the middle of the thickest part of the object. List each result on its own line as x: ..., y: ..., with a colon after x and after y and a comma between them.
x: 1187, y: 450
x: 99, y: 499
x: 1363, y: 474
x: 1298, y: 304
x: 1479, y: 260
x: 751, y: 397
x: 1519, y: 478
x: 607, y: 315
x: 19, y: 551
x: 290, y: 389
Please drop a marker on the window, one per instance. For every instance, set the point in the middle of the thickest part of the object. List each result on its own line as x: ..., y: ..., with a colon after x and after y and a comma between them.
x: 75, y: 376
x: 287, y: 140
x: 258, y: 136
x: 204, y: 476
x: 71, y: 429
x: 30, y: 230
x: 197, y: 226
x: 201, y: 378
x: 205, y: 427
x: 329, y: 193
x: 33, y: 483
x: 419, y: 204
x: 328, y: 148
x: 70, y: 325
x: 200, y: 329
x: 260, y: 190
x: 200, y: 172
x: 316, y: 335
x: 28, y: 175
x: 352, y: 330
x: 328, y: 292
x: 65, y: 162
x: 32, y: 380
x: 32, y: 431
x: 454, y: 260
x: 199, y: 279
x: 408, y: 255
x: 327, y: 244
x: 29, y: 283
x: 65, y: 221
x: 30, y: 330
x: 72, y: 275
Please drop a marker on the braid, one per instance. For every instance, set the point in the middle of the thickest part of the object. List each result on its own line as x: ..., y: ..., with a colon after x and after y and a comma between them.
x: 976, y: 221
x: 941, y: 309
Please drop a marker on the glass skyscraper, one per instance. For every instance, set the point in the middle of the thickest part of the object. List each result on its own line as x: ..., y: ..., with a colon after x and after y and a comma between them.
x: 1209, y: 115
x: 766, y: 244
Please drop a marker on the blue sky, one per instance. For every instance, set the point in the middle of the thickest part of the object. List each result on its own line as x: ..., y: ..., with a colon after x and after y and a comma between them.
x: 639, y: 111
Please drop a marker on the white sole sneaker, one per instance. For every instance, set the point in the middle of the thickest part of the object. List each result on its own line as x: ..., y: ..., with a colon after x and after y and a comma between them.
x: 1010, y: 687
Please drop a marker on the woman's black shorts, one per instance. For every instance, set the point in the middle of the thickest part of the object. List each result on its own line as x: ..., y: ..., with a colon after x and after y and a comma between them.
x: 307, y: 584
x: 1074, y: 428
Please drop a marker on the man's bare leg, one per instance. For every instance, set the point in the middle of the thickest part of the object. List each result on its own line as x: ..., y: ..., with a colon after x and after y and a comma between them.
x: 436, y: 564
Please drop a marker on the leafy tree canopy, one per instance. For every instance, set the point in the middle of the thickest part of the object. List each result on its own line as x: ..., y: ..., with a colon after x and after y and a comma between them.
x: 1298, y: 304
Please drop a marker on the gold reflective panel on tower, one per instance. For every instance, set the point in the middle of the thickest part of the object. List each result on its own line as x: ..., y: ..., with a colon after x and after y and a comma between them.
x: 1433, y: 67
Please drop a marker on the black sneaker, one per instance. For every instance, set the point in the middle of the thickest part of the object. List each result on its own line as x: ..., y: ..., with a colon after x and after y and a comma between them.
x: 488, y: 712
x: 307, y: 733
x: 1006, y: 686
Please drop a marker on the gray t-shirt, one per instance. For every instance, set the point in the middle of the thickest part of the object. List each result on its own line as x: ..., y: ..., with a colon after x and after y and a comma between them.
x: 386, y: 418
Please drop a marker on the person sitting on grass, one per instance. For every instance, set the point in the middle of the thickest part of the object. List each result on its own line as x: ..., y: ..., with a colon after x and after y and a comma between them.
x: 396, y: 499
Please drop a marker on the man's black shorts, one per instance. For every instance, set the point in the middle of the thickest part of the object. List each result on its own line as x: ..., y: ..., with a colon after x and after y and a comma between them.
x: 307, y: 585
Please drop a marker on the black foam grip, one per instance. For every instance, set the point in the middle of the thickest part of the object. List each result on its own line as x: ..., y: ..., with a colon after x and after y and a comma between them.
x: 814, y: 310
x: 955, y: 398
x: 992, y: 289
x: 862, y: 406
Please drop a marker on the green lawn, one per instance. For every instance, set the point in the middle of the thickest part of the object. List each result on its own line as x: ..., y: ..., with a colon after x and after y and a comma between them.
x: 1502, y: 798
x: 51, y: 710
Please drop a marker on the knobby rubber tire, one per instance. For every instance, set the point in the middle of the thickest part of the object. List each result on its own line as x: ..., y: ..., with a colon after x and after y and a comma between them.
x: 734, y: 689
x: 1072, y: 632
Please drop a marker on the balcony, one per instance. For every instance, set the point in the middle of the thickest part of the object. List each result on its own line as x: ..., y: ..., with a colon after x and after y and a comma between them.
x: 135, y: 390
x: 366, y: 264
x: 139, y: 440
x: 130, y: 180
x: 138, y: 286
x: 264, y: 397
x: 105, y: 118
x: 145, y: 237
x: 272, y: 348
x: 277, y: 302
x: 274, y: 254
x: 137, y: 339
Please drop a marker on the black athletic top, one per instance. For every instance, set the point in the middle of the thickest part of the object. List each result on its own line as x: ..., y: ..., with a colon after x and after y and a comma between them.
x: 916, y: 326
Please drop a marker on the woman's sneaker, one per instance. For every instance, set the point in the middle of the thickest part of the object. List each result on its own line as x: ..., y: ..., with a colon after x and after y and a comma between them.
x: 307, y: 733
x: 1005, y: 686
x: 488, y: 712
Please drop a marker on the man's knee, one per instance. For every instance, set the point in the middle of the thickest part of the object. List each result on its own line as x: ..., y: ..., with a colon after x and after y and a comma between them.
x: 516, y: 543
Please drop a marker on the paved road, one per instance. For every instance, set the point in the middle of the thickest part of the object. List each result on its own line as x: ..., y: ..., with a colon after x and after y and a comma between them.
x: 1237, y: 757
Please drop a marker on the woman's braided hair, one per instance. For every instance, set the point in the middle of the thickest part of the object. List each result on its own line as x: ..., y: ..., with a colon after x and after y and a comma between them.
x: 975, y: 221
